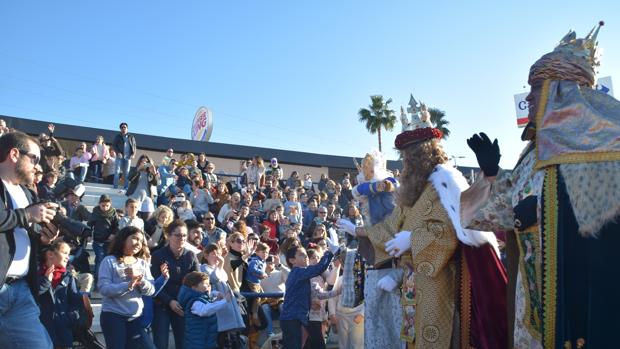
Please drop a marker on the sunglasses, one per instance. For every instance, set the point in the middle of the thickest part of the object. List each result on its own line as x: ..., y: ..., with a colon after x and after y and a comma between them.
x: 239, y: 241
x: 34, y: 159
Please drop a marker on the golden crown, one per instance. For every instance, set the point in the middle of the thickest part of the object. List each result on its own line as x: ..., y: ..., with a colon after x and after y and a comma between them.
x: 585, y: 48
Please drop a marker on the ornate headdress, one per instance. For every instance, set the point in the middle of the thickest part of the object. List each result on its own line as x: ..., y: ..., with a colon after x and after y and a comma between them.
x: 572, y: 59
x: 419, y: 129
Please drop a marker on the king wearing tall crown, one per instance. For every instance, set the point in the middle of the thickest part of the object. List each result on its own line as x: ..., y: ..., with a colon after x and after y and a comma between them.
x: 458, y: 281
x: 560, y: 205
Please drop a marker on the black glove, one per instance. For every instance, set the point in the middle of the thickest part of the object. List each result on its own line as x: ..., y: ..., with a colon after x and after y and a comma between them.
x: 487, y: 153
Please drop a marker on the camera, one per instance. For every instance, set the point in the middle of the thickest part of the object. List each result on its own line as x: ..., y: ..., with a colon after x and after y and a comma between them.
x: 71, y: 228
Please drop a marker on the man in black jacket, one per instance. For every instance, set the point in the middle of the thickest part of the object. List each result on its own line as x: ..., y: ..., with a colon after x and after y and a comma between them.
x: 22, y: 226
x: 125, y: 147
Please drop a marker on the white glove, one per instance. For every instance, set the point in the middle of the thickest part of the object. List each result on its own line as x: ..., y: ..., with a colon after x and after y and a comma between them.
x: 386, y: 283
x: 400, y: 244
x: 331, y: 246
x: 346, y: 225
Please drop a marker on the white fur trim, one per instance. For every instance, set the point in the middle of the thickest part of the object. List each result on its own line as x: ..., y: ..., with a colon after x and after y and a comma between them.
x: 449, y: 183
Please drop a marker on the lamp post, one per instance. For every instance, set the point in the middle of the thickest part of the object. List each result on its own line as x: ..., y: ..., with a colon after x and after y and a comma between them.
x: 454, y: 157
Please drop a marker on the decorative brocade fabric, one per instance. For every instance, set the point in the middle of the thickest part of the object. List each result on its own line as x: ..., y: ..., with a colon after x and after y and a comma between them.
x: 433, y: 243
x: 489, y: 205
x: 579, y: 125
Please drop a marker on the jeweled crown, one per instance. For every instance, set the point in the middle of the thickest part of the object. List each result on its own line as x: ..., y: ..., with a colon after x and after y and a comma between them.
x: 585, y: 47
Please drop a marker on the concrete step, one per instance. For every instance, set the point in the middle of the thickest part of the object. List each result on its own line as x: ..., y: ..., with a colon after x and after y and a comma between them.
x: 98, y: 185
x: 92, y: 199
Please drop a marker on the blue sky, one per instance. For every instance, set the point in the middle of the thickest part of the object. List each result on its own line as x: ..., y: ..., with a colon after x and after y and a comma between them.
x: 285, y: 74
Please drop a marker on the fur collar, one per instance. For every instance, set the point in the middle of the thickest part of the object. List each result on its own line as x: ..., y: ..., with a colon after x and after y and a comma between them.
x: 449, y: 183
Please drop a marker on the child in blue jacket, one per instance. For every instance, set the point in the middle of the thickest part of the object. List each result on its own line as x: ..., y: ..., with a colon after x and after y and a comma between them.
x: 199, y: 307
x: 59, y: 297
x: 296, y: 305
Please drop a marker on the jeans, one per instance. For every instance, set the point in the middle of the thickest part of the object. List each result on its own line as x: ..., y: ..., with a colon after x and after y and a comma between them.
x: 100, y: 249
x: 163, y: 318
x: 97, y: 167
x: 268, y: 316
x: 20, y: 326
x: 119, y: 333
x: 146, y: 339
x: 79, y: 174
x: 291, y: 334
x: 121, y: 164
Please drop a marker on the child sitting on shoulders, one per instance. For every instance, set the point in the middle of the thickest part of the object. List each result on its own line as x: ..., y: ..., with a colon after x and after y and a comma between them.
x: 200, y: 306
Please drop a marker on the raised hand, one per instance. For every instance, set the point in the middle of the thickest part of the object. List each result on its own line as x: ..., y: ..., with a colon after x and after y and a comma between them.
x: 165, y: 271
x: 346, y: 225
x: 487, y: 153
x: 49, y: 273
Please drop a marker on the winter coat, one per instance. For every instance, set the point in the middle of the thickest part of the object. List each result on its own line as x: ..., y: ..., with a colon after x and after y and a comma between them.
x: 103, y: 224
x: 60, y: 308
x: 200, y: 331
x: 134, y: 180
x: 119, y: 144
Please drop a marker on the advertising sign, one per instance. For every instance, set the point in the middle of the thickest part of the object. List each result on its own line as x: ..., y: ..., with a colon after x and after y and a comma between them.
x: 202, y: 126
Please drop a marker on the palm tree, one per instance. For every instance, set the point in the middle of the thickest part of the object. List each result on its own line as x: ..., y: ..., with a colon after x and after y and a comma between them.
x: 378, y: 116
x: 438, y: 118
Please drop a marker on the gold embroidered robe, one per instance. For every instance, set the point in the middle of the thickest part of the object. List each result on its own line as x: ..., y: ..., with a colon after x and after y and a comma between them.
x: 433, y: 244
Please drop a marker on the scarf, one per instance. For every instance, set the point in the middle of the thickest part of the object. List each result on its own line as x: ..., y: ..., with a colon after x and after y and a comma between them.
x: 56, y: 275
x: 105, y: 214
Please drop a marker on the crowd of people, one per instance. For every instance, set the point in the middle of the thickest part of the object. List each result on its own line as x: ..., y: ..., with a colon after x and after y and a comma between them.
x: 182, y: 228
x: 385, y: 260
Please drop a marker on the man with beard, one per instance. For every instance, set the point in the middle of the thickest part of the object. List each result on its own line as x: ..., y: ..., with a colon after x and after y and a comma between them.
x: 560, y: 204
x: 22, y: 226
x: 454, y: 279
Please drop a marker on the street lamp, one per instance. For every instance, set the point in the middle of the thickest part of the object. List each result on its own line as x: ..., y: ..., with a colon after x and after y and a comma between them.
x: 454, y: 157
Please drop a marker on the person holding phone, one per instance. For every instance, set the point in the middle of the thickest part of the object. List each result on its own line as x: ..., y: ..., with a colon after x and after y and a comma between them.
x: 141, y: 179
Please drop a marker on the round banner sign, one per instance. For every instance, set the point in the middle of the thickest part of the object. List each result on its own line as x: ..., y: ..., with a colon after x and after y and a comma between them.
x: 202, y: 125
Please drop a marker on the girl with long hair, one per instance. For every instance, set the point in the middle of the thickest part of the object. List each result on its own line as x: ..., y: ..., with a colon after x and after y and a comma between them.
x: 124, y: 277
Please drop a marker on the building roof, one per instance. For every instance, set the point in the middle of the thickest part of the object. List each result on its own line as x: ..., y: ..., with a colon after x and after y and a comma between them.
x: 157, y: 143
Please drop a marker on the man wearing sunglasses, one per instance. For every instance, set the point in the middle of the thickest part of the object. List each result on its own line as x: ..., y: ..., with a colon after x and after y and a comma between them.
x: 125, y: 147
x: 22, y: 226
x: 212, y: 234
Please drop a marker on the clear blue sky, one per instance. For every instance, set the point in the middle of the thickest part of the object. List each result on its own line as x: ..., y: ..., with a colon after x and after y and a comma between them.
x: 285, y: 74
